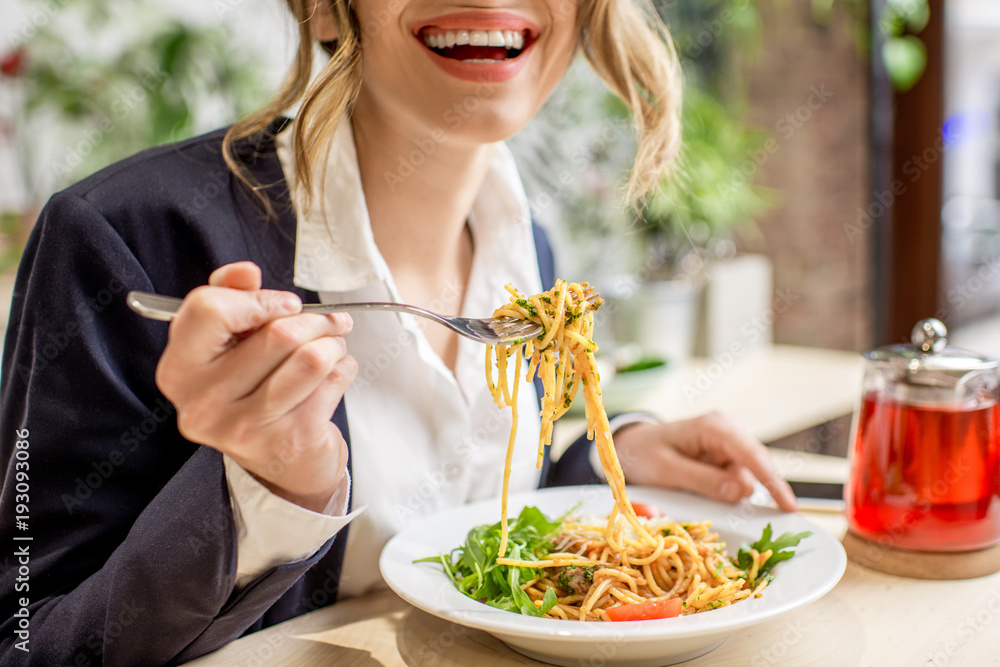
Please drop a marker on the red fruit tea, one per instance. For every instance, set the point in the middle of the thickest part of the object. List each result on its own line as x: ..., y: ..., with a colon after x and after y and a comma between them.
x: 925, y: 478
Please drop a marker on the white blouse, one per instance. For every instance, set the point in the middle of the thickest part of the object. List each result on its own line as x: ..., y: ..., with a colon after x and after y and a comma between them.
x: 422, y: 438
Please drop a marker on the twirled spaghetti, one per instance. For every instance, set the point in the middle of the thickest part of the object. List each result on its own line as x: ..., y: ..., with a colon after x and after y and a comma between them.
x: 596, y: 568
x: 563, y: 357
x: 593, y: 570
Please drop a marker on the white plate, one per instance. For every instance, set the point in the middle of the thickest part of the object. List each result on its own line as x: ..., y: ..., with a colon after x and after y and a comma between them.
x: 817, y: 566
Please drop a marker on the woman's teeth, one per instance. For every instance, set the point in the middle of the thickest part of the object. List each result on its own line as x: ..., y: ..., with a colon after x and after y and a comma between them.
x: 508, y: 39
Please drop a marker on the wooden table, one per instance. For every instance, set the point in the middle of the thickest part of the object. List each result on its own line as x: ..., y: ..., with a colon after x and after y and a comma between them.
x: 869, y: 618
x: 772, y: 392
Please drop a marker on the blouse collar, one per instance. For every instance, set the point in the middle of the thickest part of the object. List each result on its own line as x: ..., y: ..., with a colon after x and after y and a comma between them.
x: 335, y: 249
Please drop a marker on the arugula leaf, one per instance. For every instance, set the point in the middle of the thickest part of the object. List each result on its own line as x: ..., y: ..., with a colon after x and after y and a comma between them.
x: 781, y: 549
x: 473, y: 566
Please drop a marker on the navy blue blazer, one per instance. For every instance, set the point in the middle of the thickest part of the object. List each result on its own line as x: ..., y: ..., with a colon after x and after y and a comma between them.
x: 132, y: 556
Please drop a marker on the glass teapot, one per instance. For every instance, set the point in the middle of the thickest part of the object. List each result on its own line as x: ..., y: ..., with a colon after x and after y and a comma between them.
x: 925, y: 453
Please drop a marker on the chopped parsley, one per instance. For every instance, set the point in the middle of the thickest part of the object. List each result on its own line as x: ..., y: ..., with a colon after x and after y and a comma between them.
x: 527, y: 306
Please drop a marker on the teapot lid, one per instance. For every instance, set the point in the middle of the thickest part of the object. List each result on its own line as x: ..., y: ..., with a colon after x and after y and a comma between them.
x: 929, y: 351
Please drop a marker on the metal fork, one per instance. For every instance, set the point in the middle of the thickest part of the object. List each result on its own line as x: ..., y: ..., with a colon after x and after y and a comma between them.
x: 490, y: 330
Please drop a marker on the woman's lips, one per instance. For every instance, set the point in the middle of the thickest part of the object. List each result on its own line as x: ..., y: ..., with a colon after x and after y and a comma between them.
x: 477, y: 20
x: 478, y: 46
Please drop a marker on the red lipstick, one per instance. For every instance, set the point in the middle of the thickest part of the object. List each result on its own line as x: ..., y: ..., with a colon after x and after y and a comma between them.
x: 492, y: 68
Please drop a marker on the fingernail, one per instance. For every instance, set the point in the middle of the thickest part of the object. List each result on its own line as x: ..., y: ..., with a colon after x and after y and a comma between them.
x: 790, y: 498
x: 289, y: 303
x: 728, y: 491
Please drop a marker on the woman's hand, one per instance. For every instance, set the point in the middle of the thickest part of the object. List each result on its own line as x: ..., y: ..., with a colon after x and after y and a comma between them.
x: 708, y: 454
x: 257, y: 382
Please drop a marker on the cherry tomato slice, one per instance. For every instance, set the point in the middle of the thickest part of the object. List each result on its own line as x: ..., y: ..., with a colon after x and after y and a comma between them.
x: 645, y: 611
x: 646, y: 510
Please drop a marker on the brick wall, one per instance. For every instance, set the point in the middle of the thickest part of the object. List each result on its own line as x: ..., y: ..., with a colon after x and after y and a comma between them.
x: 808, y: 86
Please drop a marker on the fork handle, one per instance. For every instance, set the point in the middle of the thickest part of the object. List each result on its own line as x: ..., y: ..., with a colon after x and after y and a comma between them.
x: 164, y: 308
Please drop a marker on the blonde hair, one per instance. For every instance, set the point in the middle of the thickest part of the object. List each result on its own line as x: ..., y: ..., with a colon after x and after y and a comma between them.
x: 624, y: 41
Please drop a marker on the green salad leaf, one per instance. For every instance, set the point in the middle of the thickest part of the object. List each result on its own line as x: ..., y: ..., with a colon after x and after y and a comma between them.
x: 781, y: 549
x: 474, y: 570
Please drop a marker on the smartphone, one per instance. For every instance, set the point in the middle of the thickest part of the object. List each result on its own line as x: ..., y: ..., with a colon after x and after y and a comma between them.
x: 825, y: 490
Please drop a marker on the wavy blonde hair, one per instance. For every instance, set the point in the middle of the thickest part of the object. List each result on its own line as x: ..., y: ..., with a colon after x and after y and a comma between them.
x: 624, y: 41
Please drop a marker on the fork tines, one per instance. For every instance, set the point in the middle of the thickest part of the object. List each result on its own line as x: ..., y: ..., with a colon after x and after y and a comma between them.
x: 594, y: 299
x: 507, y: 325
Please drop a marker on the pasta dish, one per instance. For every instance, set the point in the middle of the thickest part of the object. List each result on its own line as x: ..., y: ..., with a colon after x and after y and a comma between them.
x: 632, y: 564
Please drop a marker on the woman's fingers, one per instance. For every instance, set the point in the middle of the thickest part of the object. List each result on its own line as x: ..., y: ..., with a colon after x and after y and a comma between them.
x: 669, y: 467
x: 724, y: 442
x: 253, y: 377
x: 264, y: 352
x: 322, y: 401
x: 238, y: 275
x: 210, y: 317
x: 305, y: 371
x: 708, y: 454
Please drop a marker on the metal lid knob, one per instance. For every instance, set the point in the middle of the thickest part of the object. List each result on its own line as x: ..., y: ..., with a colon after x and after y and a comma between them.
x: 929, y: 335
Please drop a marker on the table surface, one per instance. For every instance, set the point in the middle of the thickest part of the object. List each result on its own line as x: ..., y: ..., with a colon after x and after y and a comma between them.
x: 772, y: 392
x: 869, y: 618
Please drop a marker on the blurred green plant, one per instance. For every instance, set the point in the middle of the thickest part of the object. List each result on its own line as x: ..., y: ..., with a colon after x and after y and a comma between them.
x: 714, y: 191
x: 902, y: 53
x: 158, y: 86
x: 10, y: 247
x: 99, y: 81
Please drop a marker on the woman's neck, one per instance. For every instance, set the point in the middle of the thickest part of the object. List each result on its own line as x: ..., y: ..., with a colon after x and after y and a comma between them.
x: 419, y: 188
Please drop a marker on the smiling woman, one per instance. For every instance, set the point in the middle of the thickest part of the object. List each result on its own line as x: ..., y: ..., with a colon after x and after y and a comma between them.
x: 646, y: 75
x: 233, y: 513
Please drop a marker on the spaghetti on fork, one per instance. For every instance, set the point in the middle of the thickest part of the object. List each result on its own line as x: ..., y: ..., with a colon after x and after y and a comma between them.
x: 563, y: 357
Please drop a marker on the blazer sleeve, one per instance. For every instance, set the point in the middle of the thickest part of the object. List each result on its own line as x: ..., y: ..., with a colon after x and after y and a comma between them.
x: 131, y: 557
